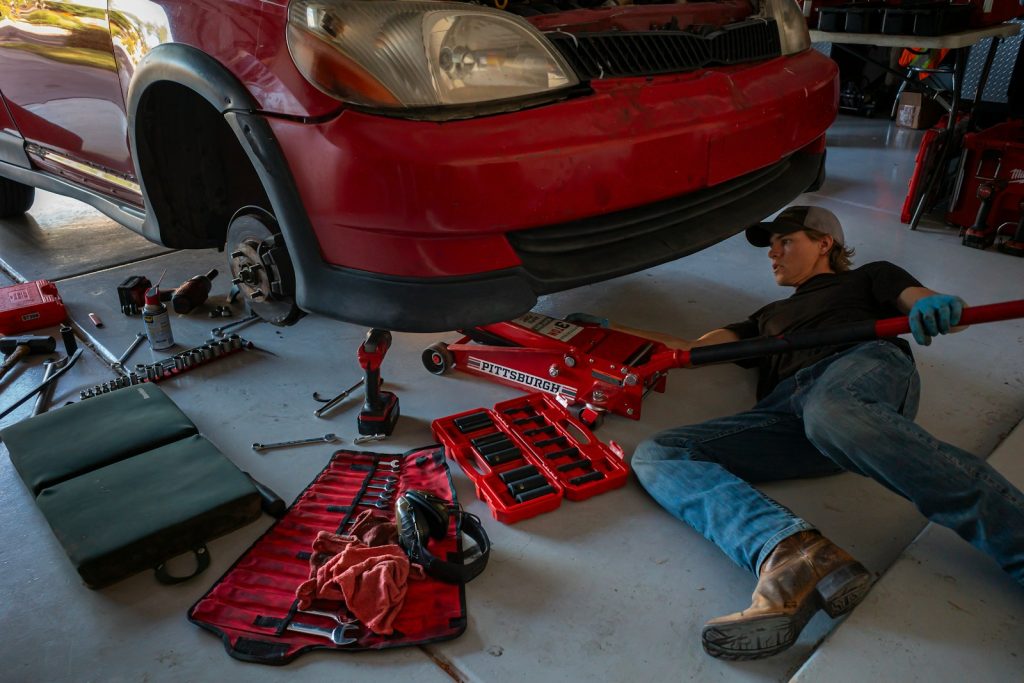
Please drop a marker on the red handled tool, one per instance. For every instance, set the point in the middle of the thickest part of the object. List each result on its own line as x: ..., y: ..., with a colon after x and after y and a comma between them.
x: 808, y: 339
x: 598, y: 370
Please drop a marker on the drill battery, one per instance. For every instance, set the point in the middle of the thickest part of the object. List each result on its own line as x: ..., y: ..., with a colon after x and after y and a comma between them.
x: 29, y: 306
x: 132, y: 293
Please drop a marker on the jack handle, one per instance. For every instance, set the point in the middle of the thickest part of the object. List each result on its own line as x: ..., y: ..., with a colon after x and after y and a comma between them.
x: 807, y: 339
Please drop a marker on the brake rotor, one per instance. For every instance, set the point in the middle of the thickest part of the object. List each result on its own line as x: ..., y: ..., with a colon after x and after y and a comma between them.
x: 261, y: 268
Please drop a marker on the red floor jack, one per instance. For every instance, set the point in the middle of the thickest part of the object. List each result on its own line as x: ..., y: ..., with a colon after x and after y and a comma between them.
x: 594, y: 370
x: 380, y: 408
x: 589, y: 368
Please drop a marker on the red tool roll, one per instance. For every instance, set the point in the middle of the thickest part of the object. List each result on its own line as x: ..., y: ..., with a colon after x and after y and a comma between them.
x: 253, y: 606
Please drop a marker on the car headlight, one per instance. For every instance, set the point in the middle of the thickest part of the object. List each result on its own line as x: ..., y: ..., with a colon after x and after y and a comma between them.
x: 419, y: 53
x: 792, y: 25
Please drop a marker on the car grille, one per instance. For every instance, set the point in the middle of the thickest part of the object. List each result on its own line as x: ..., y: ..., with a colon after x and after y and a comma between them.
x: 589, y: 250
x: 626, y: 53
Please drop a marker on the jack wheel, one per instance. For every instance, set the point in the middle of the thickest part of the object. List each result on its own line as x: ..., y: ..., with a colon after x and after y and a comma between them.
x: 260, y: 266
x: 437, y: 359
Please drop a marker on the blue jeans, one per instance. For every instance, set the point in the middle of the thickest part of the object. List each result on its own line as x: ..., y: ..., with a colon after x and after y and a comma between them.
x: 850, y: 412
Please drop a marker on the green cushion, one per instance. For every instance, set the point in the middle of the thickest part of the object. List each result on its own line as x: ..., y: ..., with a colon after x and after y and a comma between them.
x: 134, y: 514
x: 66, y: 442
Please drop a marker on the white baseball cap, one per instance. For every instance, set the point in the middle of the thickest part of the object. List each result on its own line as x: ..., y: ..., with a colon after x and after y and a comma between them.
x: 797, y: 218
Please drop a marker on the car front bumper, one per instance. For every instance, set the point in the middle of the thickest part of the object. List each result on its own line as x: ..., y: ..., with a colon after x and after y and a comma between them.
x: 465, y: 222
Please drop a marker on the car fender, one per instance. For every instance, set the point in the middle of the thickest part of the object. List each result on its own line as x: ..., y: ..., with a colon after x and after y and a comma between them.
x: 205, y: 76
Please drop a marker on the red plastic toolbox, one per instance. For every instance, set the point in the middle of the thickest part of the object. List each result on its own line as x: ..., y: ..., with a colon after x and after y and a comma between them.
x: 526, y: 454
x: 30, y: 306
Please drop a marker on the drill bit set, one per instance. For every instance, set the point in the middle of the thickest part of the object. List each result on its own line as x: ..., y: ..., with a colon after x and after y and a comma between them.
x: 172, y: 366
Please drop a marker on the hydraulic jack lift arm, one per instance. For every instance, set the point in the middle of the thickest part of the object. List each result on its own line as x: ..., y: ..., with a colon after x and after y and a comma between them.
x: 842, y: 334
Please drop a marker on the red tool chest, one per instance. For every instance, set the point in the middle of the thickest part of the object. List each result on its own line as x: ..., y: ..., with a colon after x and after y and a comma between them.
x: 29, y: 306
x: 526, y: 454
x: 991, y: 182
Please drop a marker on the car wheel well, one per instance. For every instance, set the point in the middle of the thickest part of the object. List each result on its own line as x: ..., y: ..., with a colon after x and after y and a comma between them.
x: 194, y: 171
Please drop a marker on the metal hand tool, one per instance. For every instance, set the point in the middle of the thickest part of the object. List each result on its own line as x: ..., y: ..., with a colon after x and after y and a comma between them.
x: 332, y: 403
x: 368, y: 438
x: 386, y: 488
x: 329, y: 615
x: 395, y: 464
x: 53, y: 378
x: 123, y: 358
x: 336, y: 635
x: 16, y: 348
x: 44, y: 396
x: 388, y: 479
x: 380, y: 505
x: 326, y: 438
x: 237, y: 325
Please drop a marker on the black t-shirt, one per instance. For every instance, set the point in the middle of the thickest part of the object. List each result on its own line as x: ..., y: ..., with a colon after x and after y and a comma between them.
x: 866, y: 293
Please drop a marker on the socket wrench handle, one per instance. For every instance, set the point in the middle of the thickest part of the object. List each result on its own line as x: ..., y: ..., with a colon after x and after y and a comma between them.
x: 330, y: 405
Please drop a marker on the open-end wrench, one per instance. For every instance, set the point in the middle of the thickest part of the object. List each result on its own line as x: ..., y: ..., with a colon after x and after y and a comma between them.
x: 335, y: 635
x: 329, y: 615
x: 367, y: 438
x: 380, y: 505
x: 326, y: 438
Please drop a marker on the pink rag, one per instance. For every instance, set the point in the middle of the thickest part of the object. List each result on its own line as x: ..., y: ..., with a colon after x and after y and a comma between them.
x: 371, y: 580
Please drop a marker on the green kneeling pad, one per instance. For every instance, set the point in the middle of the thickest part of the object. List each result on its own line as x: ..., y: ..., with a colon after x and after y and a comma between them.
x: 130, y: 483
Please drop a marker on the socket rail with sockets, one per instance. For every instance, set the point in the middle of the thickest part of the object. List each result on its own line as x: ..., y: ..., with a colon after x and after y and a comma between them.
x: 172, y: 366
x: 526, y: 454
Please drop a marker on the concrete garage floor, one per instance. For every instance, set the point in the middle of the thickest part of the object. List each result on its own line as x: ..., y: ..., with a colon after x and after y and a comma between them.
x: 608, y: 589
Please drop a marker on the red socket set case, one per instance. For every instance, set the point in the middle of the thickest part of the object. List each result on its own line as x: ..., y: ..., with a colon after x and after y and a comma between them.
x: 29, y: 306
x: 526, y: 454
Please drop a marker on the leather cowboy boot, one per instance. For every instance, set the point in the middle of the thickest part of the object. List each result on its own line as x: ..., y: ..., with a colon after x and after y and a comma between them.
x: 804, y: 573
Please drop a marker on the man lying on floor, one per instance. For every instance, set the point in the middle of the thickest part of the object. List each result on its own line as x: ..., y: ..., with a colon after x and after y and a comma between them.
x: 821, y: 411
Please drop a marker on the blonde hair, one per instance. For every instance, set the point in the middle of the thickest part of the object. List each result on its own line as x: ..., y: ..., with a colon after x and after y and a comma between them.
x: 840, y: 258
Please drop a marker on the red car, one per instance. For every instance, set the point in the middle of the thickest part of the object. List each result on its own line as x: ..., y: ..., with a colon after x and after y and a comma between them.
x: 409, y: 164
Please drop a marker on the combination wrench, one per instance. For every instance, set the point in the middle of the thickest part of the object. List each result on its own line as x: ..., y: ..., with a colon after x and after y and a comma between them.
x: 326, y: 438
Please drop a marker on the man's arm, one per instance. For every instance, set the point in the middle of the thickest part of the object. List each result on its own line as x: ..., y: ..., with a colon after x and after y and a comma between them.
x: 930, y: 312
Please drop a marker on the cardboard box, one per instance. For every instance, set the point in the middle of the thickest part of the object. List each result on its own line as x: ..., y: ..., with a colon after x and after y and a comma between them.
x: 917, y: 111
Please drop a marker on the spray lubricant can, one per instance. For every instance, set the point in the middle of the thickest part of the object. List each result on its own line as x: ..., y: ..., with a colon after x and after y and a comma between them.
x: 157, y: 321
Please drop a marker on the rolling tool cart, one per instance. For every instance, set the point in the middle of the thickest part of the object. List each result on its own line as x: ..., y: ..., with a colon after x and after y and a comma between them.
x: 593, y: 370
x: 990, y: 185
x: 527, y: 454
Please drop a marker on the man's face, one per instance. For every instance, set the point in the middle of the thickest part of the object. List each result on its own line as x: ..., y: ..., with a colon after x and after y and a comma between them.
x: 796, y: 258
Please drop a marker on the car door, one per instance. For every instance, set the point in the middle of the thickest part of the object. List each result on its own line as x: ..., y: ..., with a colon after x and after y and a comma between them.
x: 59, y: 78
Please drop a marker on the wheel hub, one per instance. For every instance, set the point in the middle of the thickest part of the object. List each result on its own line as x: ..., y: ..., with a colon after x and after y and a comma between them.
x: 261, y: 268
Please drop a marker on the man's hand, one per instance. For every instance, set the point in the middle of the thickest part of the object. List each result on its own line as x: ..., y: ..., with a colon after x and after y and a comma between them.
x: 934, y: 315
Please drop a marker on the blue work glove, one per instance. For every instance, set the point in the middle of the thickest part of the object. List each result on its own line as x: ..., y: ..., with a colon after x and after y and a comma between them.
x: 586, y: 318
x: 935, y: 314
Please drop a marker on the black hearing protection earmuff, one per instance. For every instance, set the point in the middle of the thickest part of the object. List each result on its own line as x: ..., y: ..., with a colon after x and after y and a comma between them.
x: 420, y: 516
